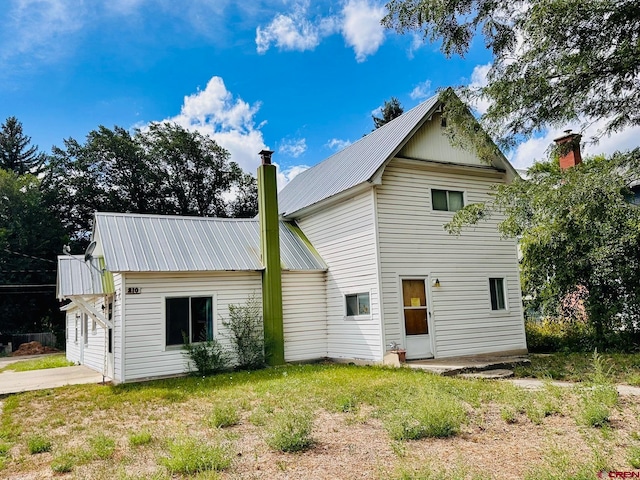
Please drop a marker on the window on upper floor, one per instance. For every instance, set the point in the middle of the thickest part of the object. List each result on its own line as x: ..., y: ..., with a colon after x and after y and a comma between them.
x: 189, y: 318
x: 447, y: 200
x: 634, y: 198
x: 358, y: 304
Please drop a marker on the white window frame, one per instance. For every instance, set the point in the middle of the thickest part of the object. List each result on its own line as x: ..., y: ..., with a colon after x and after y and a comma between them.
x: 356, y: 292
x: 214, y: 309
x: 505, y: 292
x: 447, y: 189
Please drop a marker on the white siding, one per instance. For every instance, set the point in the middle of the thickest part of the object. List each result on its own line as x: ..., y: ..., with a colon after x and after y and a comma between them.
x: 430, y: 143
x: 145, y: 352
x: 412, y: 242
x: 304, y: 310
x: 118, y: 315
x: 72, y: 347
x: 94, y: 347
x: 344, y: 235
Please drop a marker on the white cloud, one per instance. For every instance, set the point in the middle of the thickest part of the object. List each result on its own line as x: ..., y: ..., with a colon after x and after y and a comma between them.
x: 291, y: 32
x: 37, y: 28
x: 358, y: 22
x: 478, y: 81
x: 229, y: 121
x: 337, y: 144
x: 421, y: 91
x: 293, y: 148
x: 284, y: 176
x: 361, y: 27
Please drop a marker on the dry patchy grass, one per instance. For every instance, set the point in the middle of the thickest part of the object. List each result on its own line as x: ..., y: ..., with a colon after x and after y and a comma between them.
x: 164, y: 429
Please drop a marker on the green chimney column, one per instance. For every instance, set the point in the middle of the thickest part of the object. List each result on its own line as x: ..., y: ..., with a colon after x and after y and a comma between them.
x: 270, y: 250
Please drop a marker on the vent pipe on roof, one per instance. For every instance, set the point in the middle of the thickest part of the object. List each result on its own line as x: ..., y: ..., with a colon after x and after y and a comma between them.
x: 270, y: 251
x: 569, y: 149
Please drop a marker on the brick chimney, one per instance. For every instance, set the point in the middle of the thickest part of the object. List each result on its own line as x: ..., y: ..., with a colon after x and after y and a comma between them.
x: 569, y: 148
x: 270, y: 249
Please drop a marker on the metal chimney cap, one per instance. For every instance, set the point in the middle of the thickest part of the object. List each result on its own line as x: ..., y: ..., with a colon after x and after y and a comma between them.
x: 265, y: 155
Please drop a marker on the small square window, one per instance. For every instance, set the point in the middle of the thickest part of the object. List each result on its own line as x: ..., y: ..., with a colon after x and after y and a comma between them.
x: 358, y: 304
x: 447, y: 200
x: 496, y: 291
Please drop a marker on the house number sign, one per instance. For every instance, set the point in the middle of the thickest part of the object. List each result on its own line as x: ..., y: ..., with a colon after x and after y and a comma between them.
x: 133, y: 290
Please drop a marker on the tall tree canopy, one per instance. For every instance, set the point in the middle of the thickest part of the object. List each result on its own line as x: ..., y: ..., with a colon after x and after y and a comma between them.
x: 16, y: 152
x: 554, y: 61
x: 390, y: 109
x: 165, y: 169
x: 579, y: 229
x: 31, y: 237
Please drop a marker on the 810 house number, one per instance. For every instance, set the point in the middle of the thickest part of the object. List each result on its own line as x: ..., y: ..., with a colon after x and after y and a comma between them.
x: 133, y: 290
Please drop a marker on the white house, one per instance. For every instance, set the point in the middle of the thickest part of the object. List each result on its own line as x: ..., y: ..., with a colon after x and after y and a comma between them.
x: 365, y: 263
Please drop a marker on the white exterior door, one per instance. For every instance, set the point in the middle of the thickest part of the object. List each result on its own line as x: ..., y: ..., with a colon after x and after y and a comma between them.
x: 415, y: 314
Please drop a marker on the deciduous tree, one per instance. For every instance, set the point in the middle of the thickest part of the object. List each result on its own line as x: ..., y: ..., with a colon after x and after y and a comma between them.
x: 554, y: 61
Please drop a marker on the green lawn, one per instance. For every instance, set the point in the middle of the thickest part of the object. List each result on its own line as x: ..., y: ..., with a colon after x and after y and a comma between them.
x: 577, y: 367
x: 50, y: 361
x: 317, y: 421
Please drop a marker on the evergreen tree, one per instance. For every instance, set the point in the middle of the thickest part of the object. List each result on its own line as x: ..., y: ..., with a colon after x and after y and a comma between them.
x: 16, y: 152
x: 390, y: 109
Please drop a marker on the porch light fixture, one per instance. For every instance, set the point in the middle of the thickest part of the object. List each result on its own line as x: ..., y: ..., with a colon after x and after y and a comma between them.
x: 436, y: 283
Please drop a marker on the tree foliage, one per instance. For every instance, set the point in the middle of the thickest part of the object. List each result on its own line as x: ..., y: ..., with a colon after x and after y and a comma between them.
x: 390, y: 109
x: 16, y: 152
x: 579, y: 236
x: 554, y: 61
x: 31, y: 237
x: 163, y: 170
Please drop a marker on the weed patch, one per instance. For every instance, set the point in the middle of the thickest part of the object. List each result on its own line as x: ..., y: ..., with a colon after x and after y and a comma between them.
x: 224, y: 416
x: 433, y: 416
x: 291, y: 431
x: 140, y: 438
x: 38, y: 444
x: 188, y: 456
x: 52, y: 361
x: 63, y: 463
x: 102, y: 446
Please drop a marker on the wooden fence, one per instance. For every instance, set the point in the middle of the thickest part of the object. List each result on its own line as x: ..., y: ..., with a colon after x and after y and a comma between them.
x: 46, y: 338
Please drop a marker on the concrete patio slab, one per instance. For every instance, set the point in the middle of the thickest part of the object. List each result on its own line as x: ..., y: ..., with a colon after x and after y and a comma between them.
x: 468, y: 364
x: 17, y: 382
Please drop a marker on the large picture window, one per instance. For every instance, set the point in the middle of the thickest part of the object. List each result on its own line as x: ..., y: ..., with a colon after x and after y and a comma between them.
x: 189, y: 318
x: 447, y: 200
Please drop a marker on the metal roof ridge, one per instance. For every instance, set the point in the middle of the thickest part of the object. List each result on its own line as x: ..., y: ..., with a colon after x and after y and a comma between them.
x: 172, y: 216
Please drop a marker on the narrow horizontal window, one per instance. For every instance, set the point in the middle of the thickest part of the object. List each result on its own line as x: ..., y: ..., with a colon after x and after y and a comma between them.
x: 447, y: 200
x: 358, y: 304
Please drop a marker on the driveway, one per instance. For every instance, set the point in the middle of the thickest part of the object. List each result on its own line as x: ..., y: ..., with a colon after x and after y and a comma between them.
x: 16, y: 382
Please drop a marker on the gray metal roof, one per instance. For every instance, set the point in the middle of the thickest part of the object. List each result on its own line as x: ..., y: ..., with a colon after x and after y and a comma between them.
x: 79, y: 278
x: 157, y: 243
x: 353, y: 165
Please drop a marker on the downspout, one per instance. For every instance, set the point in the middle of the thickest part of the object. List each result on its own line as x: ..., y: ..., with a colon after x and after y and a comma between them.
x: 270, y: 251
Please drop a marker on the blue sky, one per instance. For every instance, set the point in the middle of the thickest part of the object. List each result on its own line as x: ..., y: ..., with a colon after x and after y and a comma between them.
x: 299, y: 77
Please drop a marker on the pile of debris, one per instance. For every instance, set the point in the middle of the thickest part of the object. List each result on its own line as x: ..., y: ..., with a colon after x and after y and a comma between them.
x: 33, y: 348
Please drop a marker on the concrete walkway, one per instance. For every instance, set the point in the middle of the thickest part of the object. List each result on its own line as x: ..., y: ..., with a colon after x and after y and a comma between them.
x: 535, y: 384
x: 16, y: 382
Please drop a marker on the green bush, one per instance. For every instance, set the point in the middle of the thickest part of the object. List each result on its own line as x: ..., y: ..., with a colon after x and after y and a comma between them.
x: 190, y: 455
x: 291, y: 431
x: 38, y: 444
x: 224, y: 416
x: 247, y: 333
x: 207, y: 356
